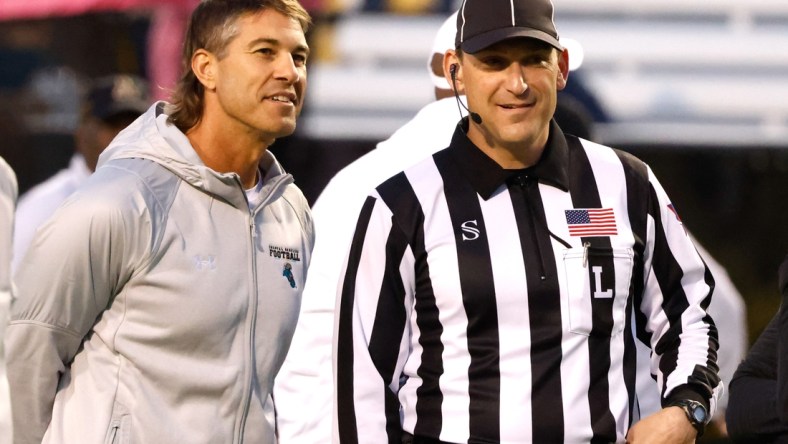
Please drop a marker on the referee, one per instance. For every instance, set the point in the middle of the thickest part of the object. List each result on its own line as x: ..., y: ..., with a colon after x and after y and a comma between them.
x: 489, y: 290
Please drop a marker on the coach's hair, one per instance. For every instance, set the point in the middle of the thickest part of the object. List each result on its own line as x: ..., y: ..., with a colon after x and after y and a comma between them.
x: 212, y: 26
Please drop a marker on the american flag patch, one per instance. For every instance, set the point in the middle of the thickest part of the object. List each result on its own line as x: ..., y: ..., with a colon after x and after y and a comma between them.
x: 591, y: 222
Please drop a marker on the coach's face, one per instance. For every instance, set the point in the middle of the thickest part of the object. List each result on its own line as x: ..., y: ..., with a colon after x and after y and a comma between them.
x: 260, y: 79
x: 513, y: 86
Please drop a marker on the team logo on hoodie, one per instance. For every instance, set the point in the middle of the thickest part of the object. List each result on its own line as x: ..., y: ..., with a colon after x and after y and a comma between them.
x: 288, y: 273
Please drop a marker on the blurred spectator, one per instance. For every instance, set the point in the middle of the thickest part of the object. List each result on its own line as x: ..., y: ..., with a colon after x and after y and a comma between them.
x: 758, y: 406
x: 15, y: 148
x: 8, y: 191
x: 24, y: 49
x: 39, y: 122
x: 304, y: 385
x: 578, y: 108
x: 53, y: 96
x: 111, y: 104
x: 579, y: 92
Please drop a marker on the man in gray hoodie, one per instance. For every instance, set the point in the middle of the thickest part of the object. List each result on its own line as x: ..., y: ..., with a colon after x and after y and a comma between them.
x: 159, y: 301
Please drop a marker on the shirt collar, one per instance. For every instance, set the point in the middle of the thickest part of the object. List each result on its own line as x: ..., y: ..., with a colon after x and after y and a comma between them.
x: 486, y: 176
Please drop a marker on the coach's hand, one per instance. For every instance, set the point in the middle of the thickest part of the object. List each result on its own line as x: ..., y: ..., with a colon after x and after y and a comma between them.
x: 669, y: 425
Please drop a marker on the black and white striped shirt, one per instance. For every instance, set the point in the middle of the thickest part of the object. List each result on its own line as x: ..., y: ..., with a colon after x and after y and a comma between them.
x: 485, y: 305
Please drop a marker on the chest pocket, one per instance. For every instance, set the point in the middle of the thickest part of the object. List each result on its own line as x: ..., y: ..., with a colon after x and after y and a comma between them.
x: 597, y: 289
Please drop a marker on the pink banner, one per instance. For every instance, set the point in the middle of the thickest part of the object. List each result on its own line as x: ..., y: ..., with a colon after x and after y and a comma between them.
x: 31, y: 9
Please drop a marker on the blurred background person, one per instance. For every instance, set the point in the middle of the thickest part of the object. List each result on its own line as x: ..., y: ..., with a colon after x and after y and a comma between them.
x: 758, y: 406
x: 110, y: 104
x: 8, y: 192
x: 304, y: 385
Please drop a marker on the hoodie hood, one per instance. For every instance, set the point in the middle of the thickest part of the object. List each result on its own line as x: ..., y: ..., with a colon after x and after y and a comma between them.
x: 151, y: 137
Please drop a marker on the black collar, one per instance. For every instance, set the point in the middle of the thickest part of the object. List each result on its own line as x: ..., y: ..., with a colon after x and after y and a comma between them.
x: 486, y: 176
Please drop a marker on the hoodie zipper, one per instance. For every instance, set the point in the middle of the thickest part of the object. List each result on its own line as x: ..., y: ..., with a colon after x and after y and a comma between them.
x: 284, y: 179
x: 252, y: 328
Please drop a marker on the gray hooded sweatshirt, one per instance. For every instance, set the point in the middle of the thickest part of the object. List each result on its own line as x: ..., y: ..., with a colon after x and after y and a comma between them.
x: 156, y: 306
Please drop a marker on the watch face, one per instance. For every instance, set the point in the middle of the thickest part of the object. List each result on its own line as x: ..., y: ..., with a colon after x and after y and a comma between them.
x: 699, y: 413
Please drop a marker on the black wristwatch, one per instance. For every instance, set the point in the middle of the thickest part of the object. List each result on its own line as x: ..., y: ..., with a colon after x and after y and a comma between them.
x: 696, y: 413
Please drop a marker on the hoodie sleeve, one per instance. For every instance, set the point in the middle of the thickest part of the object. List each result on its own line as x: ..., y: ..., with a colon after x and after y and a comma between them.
x: 77, y: 263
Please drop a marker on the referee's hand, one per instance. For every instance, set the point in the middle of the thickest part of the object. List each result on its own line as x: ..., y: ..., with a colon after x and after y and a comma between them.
x: 669, y: 425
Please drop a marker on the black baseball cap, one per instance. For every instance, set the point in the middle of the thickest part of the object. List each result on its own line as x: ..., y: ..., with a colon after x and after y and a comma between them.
x: 120, y: 94
x: 482, y: 23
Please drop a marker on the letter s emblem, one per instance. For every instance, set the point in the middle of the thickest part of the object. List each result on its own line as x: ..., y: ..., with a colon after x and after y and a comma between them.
x: 470, y: 230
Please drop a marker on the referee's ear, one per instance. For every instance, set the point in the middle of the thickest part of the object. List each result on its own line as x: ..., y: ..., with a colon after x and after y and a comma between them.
x: 453, y: 75
x: 563, y: 70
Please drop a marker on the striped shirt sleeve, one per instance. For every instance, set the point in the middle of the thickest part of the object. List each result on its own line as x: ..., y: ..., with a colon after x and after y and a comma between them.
x: 678, y: 290
x: 372, y: 328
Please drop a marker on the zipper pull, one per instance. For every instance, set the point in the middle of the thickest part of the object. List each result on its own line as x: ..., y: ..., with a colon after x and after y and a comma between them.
x: 586, y: 245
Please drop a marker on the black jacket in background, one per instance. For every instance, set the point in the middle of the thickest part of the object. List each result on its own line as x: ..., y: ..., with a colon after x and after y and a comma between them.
x: 758, y: 404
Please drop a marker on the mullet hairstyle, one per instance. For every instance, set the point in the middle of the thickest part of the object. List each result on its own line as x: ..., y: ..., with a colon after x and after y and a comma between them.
x: 212, y: 26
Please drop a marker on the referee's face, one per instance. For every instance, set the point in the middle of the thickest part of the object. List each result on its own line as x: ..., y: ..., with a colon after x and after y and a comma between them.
x: 513, y: 86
